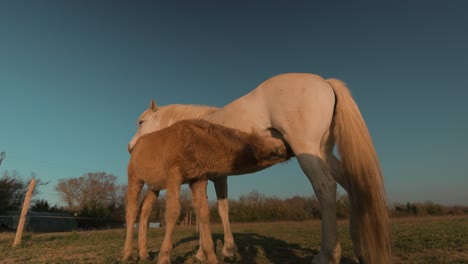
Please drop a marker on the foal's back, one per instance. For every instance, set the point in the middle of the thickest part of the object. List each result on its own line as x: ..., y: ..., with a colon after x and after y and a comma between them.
x: 217, y: 150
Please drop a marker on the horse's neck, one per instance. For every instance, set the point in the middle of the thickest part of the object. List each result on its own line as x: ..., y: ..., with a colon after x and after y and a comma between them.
x: 246, y: 114
x: 171, y: 114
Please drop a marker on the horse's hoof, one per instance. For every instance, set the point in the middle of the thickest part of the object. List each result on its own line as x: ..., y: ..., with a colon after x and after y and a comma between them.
x: 322, y: 259
x: 127, y: 257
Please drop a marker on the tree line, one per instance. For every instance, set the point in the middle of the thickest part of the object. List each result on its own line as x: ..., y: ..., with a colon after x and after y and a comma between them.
x: 97, y: 200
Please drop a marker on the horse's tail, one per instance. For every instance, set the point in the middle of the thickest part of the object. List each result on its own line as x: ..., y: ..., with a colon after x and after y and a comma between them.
x: 363, y: 175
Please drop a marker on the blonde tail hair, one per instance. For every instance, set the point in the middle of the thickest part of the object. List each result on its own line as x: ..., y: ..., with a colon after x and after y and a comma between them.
x: 364, y: 178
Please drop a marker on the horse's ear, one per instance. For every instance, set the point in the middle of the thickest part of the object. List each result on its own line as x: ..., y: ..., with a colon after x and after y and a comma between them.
x: 153, y: 106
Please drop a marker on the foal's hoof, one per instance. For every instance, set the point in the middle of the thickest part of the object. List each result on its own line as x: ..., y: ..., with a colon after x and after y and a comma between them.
x: 228, y: 252
x: 200, y: 256
x: 127, y: 256
x: 164, y: 261
x: 143, y: 256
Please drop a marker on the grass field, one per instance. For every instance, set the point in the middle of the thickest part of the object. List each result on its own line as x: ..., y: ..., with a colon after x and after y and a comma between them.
x: 416, y: 240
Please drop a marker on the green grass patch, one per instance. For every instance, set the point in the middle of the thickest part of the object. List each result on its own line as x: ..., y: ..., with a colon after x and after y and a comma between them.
x: 415, y: 240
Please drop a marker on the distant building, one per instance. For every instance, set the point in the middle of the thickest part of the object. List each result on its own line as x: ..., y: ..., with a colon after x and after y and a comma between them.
x: 154, y: 225
x: 39, y: 222
x: 150, y: 225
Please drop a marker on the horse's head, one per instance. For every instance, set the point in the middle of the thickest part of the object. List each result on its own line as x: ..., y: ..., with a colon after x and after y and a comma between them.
x: 148, y: 122
x: 156, y: 118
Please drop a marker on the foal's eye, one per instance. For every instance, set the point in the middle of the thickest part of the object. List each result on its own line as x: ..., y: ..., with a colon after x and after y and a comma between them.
x: 140, y: 122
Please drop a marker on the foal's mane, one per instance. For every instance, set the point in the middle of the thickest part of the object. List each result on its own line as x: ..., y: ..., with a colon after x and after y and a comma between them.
x: 229, y: 138
x: 171, y: 114
x: 248, y: 149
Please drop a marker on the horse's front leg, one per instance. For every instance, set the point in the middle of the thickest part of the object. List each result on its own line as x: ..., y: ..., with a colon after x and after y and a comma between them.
x: 200, y: 202
x: 146, y: 208
x: 221, y: 188
x: 134, y: 188
x: 172, y: 214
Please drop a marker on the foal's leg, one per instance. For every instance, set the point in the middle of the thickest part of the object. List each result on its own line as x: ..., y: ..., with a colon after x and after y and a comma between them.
x: 133, y: 191
x: 172, y: 214
x: 146, y: 208
x: 200, y: 203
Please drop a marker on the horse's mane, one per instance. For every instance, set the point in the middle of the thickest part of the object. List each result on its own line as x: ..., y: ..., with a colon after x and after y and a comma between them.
x: 170, y: 114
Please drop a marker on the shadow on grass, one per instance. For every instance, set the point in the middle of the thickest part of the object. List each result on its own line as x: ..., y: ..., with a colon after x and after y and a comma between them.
x: 251, y: 248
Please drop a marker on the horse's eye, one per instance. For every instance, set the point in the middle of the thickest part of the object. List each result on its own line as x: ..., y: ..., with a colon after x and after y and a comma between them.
x: 140, y: 122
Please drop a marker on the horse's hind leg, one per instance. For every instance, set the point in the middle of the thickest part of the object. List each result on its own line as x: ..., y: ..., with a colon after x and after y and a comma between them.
x: 200, y: 203
x: 335, y: 166
x: 133, y: 191
x: 318, y: 173
x: 146, y: 208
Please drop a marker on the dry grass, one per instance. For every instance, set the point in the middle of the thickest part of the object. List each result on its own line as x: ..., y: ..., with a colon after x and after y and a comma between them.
x: 416, y: 240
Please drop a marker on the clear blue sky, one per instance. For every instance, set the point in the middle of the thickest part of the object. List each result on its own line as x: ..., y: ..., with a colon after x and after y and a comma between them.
x: 75, y: 75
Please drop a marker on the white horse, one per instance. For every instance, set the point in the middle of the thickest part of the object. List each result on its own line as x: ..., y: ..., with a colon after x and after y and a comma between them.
x: 309, y: 114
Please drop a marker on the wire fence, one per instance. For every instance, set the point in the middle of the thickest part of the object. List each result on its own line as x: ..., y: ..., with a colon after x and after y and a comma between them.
x: 42, y: 223
x: 66, y: 217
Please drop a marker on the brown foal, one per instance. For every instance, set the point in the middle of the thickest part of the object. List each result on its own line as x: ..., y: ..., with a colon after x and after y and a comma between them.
x: 191, y: 152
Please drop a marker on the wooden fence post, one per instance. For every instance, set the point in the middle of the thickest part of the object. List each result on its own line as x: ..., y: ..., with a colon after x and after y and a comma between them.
x: 22, y: 220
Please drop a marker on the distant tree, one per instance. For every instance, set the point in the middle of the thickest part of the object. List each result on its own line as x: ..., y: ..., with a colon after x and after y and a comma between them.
x: 297, y: 209
x: 41, y: 206
x: 342, y: 206
x: 12, y: 191
x: 57, y: 209
x: 255, y: 206
x: 91, y: 190
x: 434, y: 209
x: 185, y: 204
x: 96, y: 198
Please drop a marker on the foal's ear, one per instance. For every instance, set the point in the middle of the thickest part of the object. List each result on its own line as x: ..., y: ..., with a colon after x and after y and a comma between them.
x: 153, y: 106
